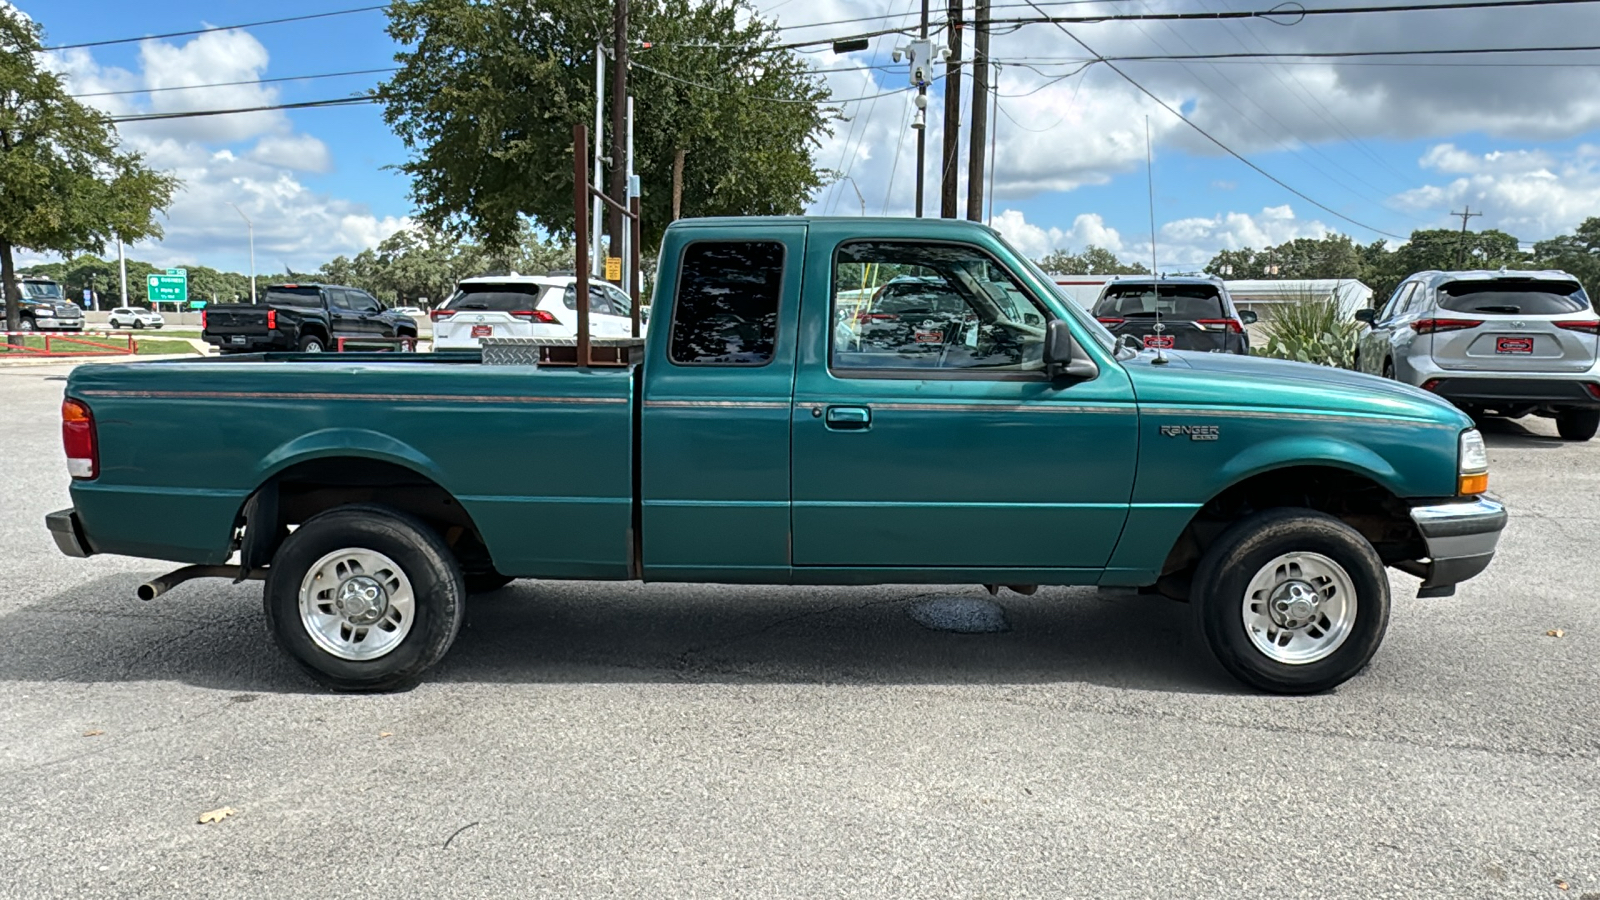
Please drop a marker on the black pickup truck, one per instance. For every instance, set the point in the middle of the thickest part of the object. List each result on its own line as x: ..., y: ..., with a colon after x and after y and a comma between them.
x: 310, y: 318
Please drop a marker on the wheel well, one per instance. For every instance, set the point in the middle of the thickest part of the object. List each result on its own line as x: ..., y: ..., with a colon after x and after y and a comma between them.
x: 314, y: 486
x: 1363, y: 504
x: 314, y: 329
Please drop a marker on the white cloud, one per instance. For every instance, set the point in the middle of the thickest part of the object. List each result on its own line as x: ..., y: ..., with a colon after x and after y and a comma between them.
x: 253, y: 160
x: 299, y: 152
x: 1533, y: 195
x: 1034, y: 241
x: 1193, y: 241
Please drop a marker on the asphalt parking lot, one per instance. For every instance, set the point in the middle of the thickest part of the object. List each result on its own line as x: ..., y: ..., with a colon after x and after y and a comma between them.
x: 666, y: 741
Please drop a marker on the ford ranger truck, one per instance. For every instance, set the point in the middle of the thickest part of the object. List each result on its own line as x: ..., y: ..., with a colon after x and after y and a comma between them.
x: 758, y: 438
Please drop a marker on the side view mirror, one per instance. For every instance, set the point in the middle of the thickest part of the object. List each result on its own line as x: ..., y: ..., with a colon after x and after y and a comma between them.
x: 1366, y: 315
x: 1063, y: 358
x: 1248, y: 316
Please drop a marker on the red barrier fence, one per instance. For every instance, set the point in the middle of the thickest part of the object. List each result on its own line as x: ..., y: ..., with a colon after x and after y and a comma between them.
x: 74, y: 344
x: 375, y: 343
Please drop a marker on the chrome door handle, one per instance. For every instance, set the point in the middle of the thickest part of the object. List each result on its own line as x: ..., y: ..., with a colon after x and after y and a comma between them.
x: 848, y: 418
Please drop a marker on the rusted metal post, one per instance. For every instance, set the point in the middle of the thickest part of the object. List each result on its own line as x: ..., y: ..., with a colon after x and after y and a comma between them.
x: 580, y: 205
x: 633, y: 262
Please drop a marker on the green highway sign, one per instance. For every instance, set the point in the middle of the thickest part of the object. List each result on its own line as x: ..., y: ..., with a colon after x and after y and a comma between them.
x: 171, y: 287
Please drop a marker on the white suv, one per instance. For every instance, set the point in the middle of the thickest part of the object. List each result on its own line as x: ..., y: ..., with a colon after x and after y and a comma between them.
x: 135, y: 317
x: 526, y: 306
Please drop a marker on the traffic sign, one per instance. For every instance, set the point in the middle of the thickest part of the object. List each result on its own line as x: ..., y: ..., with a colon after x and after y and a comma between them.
x: 171, y: 287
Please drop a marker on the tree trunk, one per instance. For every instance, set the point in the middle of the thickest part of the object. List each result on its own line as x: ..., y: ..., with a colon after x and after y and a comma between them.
x: 677, y: 184
x: 8, y: 282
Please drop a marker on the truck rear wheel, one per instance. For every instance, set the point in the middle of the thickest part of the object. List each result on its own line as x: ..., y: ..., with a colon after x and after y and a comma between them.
x: 1292, y: 601
x: 364, y: 598
x: 1578, y: 424
x: 311, y: 344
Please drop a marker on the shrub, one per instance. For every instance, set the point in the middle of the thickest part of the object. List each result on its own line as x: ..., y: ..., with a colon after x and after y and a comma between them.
x: 1311, y: 331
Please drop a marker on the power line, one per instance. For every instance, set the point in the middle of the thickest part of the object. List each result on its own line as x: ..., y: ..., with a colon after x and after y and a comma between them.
x: 1290, y: 10
x: 1343, y: 54
x: 173, y: 34
x: 190, y: 87
x: 198, y: 113
x: 1224, y: 147
x: 716, y: 90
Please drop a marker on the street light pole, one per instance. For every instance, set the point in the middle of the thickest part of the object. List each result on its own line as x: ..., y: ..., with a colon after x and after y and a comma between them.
x: 250, y: 227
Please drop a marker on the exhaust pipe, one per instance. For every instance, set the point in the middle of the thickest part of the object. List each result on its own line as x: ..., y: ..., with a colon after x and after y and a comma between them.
x: 155, y: 587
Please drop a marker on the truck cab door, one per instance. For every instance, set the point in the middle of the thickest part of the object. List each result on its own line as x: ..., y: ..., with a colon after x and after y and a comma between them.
x: 715, y: 406
x: 929, y: 441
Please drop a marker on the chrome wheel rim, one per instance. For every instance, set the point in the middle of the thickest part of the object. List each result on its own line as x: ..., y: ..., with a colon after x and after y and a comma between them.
x: 1299, y: 608
x: 357, y: 604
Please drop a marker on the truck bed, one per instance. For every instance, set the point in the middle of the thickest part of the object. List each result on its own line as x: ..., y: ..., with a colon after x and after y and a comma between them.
x: 185, y: 443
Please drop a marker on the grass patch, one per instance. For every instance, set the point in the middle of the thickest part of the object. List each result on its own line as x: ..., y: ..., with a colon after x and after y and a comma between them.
x: 60, y: 344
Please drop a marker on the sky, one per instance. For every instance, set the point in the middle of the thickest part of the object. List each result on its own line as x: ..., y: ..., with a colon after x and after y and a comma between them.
x: 1372, y: 147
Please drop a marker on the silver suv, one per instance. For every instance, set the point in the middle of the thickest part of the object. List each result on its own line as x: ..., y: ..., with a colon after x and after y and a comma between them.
x: 1507, y: 343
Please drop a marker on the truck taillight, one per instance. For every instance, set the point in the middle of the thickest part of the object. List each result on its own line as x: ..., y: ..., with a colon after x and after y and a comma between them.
x: 1111, y: 320
x: 272, y: 319
x: 78, y: 437
x: 1220, y: 325
x: 439, y: 315
x: 202, y: 320
x: 534, y: 315
x: 1433, y: 326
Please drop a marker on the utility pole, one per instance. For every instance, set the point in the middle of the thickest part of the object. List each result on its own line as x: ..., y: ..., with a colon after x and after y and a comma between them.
x: 951, y: 158
x: 249, y: 226
x: 920, y: 123
x: 980, y: 110
x: 1461, y: 245
x: 596, y: 264
x: 619, y: 124
x: 122, y: 269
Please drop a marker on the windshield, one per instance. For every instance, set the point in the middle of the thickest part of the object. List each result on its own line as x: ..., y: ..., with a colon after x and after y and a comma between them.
x: 1183, y: 302
x: 42, y: 290
x: 1515, y: 298
x: 1095, y: 330
x: 496, y: 297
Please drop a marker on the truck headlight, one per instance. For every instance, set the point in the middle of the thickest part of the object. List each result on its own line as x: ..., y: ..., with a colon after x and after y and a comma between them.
x: 1473, y: 466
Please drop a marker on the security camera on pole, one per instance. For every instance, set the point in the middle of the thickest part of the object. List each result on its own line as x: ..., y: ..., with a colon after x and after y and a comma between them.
x: 920, y: 56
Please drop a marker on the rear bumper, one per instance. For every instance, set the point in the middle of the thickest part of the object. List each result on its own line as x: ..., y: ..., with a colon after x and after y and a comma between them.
x: 1461, y: 539
x: 67, y: 530
x: 253, y: 343
x: 1568, y: 391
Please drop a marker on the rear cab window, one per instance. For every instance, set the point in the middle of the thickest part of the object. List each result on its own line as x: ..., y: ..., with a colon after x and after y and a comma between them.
x: 294, y: 295
x: 1521, y: 297
x: 726, y: 312
x: 1179, y: 302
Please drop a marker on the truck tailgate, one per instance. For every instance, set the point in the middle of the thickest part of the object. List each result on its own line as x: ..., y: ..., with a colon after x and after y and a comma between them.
x: 237, y: 318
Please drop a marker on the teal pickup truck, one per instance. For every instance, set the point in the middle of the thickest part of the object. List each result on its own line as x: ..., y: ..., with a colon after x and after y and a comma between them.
x: 791, y: 419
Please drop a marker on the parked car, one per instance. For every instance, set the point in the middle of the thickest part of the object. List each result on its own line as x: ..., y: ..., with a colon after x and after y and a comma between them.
x: 526, y: 306
x: 1194, y: 314
x: 1508, y: 343
x: 135, y: 317
x: 411, y: 312
x: 310, y: 318
x: 44, y: 307
x: 742, y: 445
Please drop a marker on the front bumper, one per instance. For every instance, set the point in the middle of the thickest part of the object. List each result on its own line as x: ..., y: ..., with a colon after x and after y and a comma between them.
x: 67, y: 530
x: 1461, y: 539
x: 44, y: 323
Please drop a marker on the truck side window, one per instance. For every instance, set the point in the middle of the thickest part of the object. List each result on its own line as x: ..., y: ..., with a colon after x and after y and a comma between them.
x: 727, y: 303
x: 338, y: 299
x: 901, y: 305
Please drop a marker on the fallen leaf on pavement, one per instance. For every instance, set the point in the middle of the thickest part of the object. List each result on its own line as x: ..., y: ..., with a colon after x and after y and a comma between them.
x: 384, y: 734
x: 1561, y: 885
x: 1555, y: 632
x: 216, y: 815
x: 93, y: 733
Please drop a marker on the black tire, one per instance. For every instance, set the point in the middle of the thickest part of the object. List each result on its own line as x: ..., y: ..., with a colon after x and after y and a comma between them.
x: 1229, y: 565
x: 138, y: 324
x: 112, y: 324
x: 312, y: 344
x: 484, y: 582
x: 436, y: 582
x: 26, y: 325
x: 1578, y: 424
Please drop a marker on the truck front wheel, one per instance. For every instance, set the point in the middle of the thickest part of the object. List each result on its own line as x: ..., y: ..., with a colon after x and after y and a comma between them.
x: 364, y: 598
x: 1292, y: 601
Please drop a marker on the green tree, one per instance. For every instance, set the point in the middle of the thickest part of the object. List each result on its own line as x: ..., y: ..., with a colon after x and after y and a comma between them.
x: 1445, y: 249
x: 1092, y: 261
x: 64, y: 184
x: 488, y: 94
x: 1577, y: 253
